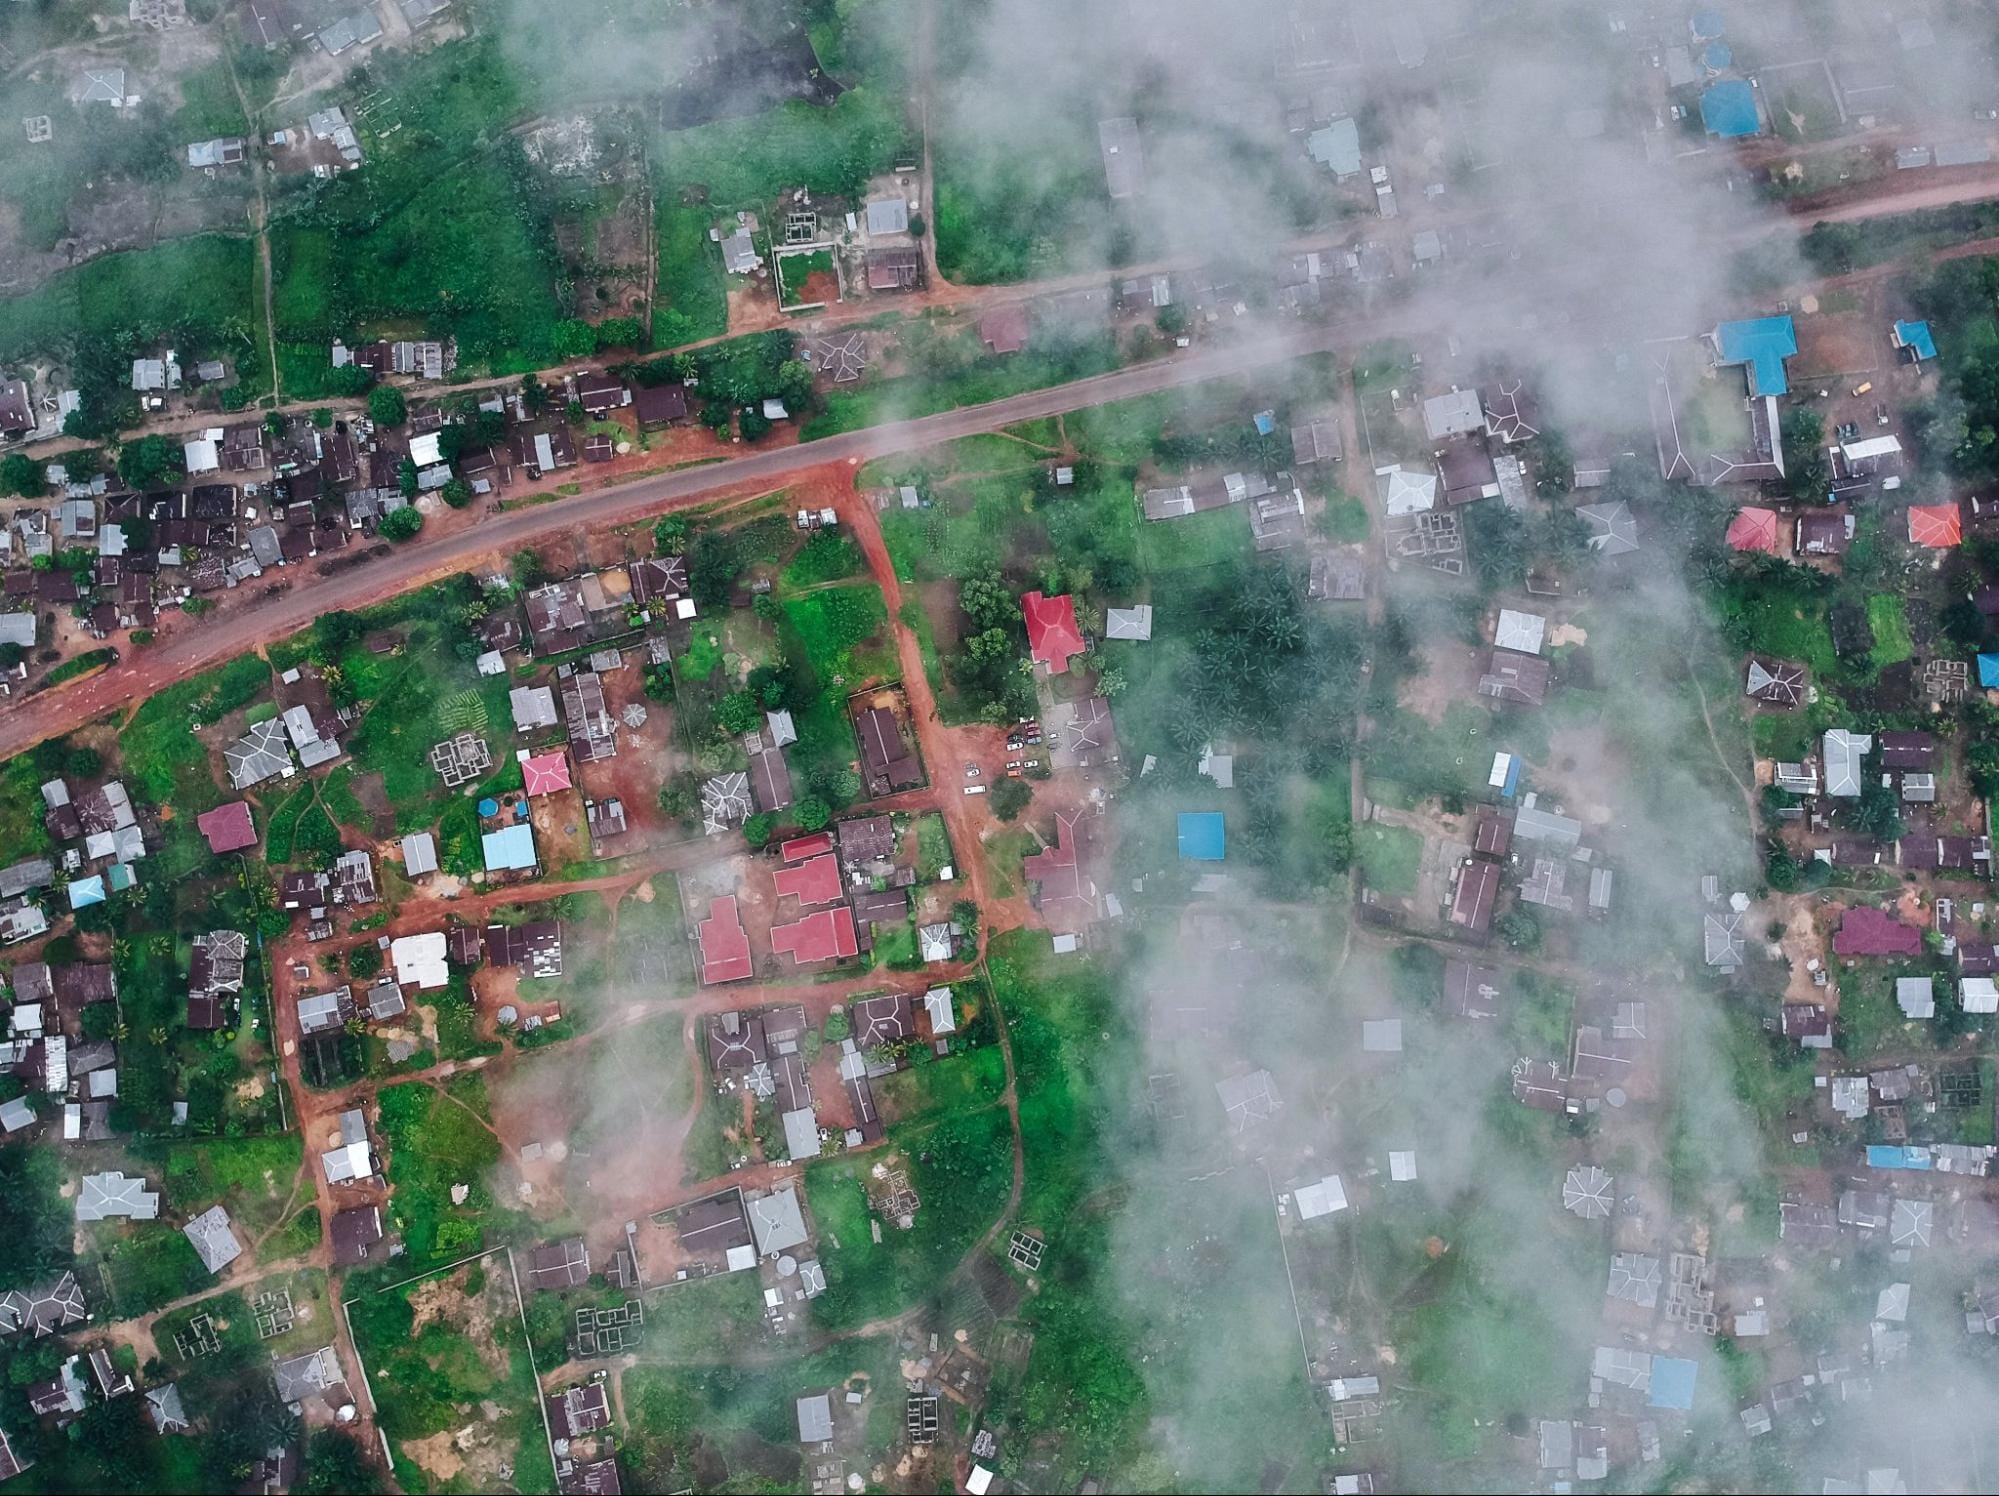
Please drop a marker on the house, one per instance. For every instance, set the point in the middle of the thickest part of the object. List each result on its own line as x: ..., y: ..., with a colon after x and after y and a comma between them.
x: 1722, y: 942
x: 1472, y: 901
x: 598, y: 393
x: 1004, y: 329
x: 419, y: 854
x: 316, y: 1374
x: 1133, y: 623
x: 887, y: 215
x: 533, y: 708
x: 534, y: 947
x: 1823, y: 533
x: 1842, y: 753
x: 419, y: 960
x: 578, y: 1411
x: 355, y: 1233
x: 1247, y: 1100
x: 724, y: 943
x: 1053, y: 636
x: 1754, y: 529
x: 593, y: 731
x: 888, y: 764
x: 1511, y: 676
x: 656, y: 405
x: 1936, y: 526
x: 260, y: 754
x: 43, y: 1308
x: 1061, y: 886
x: 1913, y: 341
x: 510, y: 849
x: 1511, y: 412
x: 559, y: 1264
x: 776, y: 1223
x: 544, y: 773
x: 815, y: 1419
x: 351, y: 1161
x: 113, y: 1194
x: 1867, y: 931
x: 1458, y: 413
x: 557, y: 618
x: 1124, y: 159
x: 1316, y: 441
x: 325, y: 1012
x: 826, y: 935
x: 894, y: 269
x: 1613, y: 528
x: 165, y: 1409
x: 663, y: 579
x: 1779, y: 683
x: 213, y: 1239
x: 227, y: 828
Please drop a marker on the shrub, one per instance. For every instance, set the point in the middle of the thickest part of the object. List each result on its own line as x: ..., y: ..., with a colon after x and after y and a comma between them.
x: 386, y: 406
x: 401, y: 525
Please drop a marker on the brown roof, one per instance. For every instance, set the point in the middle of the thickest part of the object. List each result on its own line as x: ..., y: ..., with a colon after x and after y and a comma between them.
x: 1478, y: 886
x: 1492, y: 831
x: 658, y: 404
x: 885, y: 756
x: 559, y: 1264
x: 1515, y: 677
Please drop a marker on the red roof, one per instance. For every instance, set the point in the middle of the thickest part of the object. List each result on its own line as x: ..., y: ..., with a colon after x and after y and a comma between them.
x: 725, y: 944
x: 814, y: 882
x: 1066, y: 898
x: 1868, y: 932
x: 1939, y: 525
x: 1754, y: 530
x: 546, y: 773
x: 801, y: 847
x: 1004, y: 329
x: 817, y: 937
x: 1052, y: 634
x: 228, y: 827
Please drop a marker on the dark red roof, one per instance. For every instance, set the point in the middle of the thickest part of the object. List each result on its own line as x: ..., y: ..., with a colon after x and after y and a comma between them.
x: 1063, y: 893
x: 817, y: 937
x: 725, y: 944
x: 1052, y: 633
x: 801, y: 847
x: 813, y: 882
x: 228, y: 827
x: 1866, y: 931
x: 1004, y: 329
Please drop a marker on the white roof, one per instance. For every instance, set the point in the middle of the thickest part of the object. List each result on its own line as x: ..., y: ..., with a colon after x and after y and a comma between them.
x: 1916, y: 996
x: 979, y: 1481
x: 1979, y: 995
x: 419, y: 854
x: 420, y: 959
x: 1874, y: 446
x: 1381, y: 1035
x: 202, y: 456
x: 1321, y: 1198
x: 1407, y: 492
x: 1129, y: 623
x: 1402, y: 1165
x: 801, y: 1133
x: 1521, y: 631
x: 348, y: 1162
x: 425, y: 450
x: 534, y: 706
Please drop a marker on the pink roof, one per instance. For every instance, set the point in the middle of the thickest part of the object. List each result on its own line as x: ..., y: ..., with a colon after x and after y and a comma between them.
x: 1939, y: 525
x: 546, y: 773
x: 1066, y: 898
x: 1754, y: 530
x: 725, y: 944
x: 1868, y: 932
x: 228, y: 827
x: 817, y: 937
x: 1004, y: 329
x: 801, y: 847
x: 1052, y: 634
x: 814, y: 882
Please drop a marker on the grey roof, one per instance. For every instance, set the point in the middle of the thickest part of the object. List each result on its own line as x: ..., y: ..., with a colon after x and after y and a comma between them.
x: 815, y: 1419
x: 1586, y: 1192
x: 1916, y: 997
x: 888, y: 215
x: 801, y: 1133
x: 300, y: 1377
x: 1622, y: 1368
x: 1337, y: 147
x: 419, y: 854
x: 1457, y: 413
x: 115, y: 1194
x: 1558, y: 1443
x: 213, y: 1239
x: 163, y: 1406
x: 1520, y: 631
x: 1537, y: 825
x: 534, y: 706
x: 18, y: 628
x: 1124, y: 157
x: 1843, y: 752
x: 1129, y: 623
x: 1721, y: 936
x: 1910, y: 1223
x: 777, y: 1222
x: 1634, y: 1277
x: 43, y: 1308
x: 1247, y: 1099
x: 36, y: 872
x: 258, y: 755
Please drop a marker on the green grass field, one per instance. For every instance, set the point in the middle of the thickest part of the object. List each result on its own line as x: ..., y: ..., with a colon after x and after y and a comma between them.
x: 435, y: 1140
x: 1389, y: 857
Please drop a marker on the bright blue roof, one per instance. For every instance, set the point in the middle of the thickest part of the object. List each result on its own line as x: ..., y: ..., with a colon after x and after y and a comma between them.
x: 1202, y: 836
x: 1884, y: 1156
x: 509, y: 848
x: 1706, y: 23
x: 1728, y: 109
x: 121, y: 875
x: 86, y: 891
x: 1266, y: 422
x: 1915, y: 336
x: 1673, y: 1382
x: 1763, y: 343
x: 1988, y: 671
x: 1718, y: 55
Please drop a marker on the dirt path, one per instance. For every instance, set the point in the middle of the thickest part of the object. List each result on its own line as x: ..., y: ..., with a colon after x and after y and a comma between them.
x: 260, y: 222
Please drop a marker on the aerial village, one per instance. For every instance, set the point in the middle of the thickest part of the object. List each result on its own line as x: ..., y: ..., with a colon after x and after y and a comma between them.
x: 762, y: 987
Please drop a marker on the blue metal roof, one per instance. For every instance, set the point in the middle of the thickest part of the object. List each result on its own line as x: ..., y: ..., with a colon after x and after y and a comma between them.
x: 1728, y: 109
x: 86, y: 891
x: 1988, y: 671
x: 510, y: 848
x: 1915, y: 336
x: 1203, y: 838
x: 1763, y: 343
x: 1705, y: 24
x: 1884, y: 1156
x: 1718, y: 56
x: 1673, y: 1382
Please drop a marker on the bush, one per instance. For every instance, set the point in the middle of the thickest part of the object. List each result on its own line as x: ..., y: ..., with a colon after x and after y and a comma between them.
x: 151, y: 462
x: 386, y: 406
x: 20, y: 475
x: 457, y: 493
x: 401, y: 525
x: 757, y: 829
x: 573, y: 339
x: 811, y: 814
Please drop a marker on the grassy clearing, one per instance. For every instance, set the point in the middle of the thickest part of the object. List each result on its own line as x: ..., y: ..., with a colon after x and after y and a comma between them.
x: 436, y: 1139
x: 1199, y: 540
x: 958, y: 1167
x: 1788, y: 622
x: 150, y: 1265
x: 470, y: 1350
x: 1890, y: 625
x: 252, y: 1177
x: 1389, y: 857
x: 976, y: 382
x: 933, y: 846
x: 954, y: 1084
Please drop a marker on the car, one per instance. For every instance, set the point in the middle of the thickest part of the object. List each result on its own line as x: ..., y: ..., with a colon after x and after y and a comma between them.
x: 971, y: 771
x: 1013, y: 763
x: 975, y: 789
